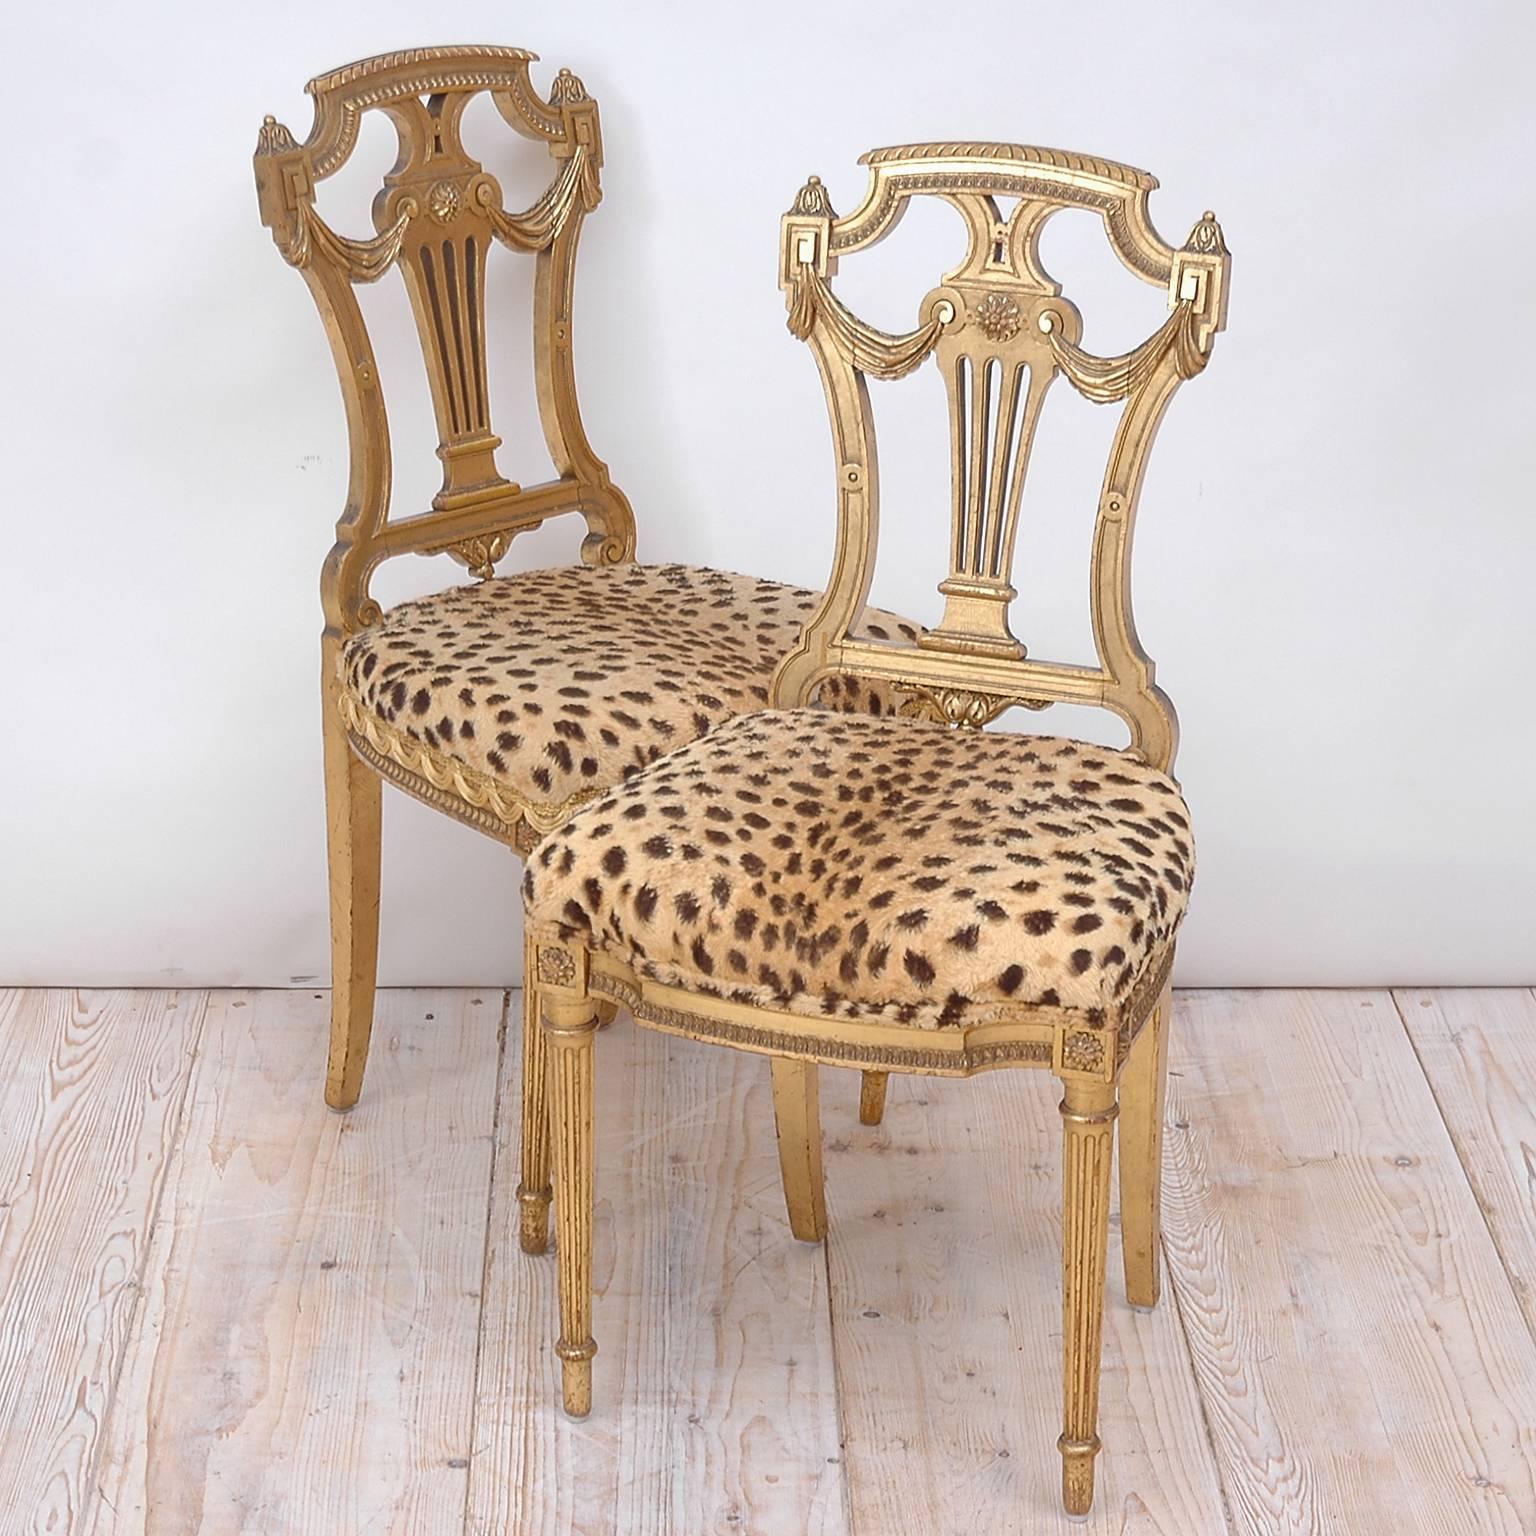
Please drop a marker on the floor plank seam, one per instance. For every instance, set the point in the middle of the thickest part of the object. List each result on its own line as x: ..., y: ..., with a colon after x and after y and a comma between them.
x: 91, y: 1482
x: 485, y: 1251
x: 1171, y: 1285
x: 1466, y: 1173
x: 844, y: 1482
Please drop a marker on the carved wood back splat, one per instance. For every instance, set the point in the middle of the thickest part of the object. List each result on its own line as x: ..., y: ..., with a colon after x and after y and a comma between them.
x: 436, y: 218
x: 1000, y: 330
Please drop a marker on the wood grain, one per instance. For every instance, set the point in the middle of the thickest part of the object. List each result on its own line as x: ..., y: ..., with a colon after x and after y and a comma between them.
x: 945, y: 1257
x: 288, y: 1301
x: 1478, y: 1051
x: 1362, y: 1360
x: 305, y: 1356
x: 714, y: 1406
x: 91, y: 1090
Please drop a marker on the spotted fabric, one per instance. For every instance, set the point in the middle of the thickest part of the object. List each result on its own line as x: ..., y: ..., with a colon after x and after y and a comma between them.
x: 892, y: 868
x: 563, y: 681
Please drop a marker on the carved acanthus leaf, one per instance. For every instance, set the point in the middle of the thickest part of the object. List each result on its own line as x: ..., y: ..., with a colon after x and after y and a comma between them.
x: 812, y: 201
x: 1206, y: 239
x: 959, y: 706
x: 567, y: 90
x: 481, y: 553
x: 273, y: 138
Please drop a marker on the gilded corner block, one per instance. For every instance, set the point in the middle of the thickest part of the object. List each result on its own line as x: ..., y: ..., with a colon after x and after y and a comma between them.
x: 1081, y: 1052
x: 559, y: 965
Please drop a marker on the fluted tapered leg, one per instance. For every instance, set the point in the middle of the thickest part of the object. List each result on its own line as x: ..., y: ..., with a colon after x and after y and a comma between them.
x: 872, y: 1098
x: 1088, y: 1118
x: 570, y: 1023
x: 797, y: 1116
x: 533, y: 1189
x: 1143, y: 1092
x: 353, y: 816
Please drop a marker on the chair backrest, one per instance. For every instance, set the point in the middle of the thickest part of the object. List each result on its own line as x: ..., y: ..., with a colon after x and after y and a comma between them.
x: 1001, y: 330
x: 436, y: 218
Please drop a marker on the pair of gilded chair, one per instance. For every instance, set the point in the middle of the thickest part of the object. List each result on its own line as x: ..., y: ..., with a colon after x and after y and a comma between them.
x: 882, y: 884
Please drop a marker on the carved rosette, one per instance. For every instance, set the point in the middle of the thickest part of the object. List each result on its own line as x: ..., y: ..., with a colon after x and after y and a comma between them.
x: 1084, y: 1051
x: 444, y: 202
x: 555, y: 967
x: 998, y: 317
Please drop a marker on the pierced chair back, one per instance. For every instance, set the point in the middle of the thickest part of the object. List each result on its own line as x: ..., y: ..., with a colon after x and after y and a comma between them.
x: 436, y: 217
x: 1001, y: 330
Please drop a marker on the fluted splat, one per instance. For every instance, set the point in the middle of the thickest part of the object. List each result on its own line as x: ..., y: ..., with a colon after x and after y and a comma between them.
x: 996, y: 372
x: 443, y: 261
x: 435, y: 218
x: 451, y: 274
x: 999, y: 329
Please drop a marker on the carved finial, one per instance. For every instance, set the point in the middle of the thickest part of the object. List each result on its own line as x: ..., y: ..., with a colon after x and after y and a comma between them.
x: 274, y: 138
x: 812, y: 199
x: 567, y: 90
x: 1205, y: 238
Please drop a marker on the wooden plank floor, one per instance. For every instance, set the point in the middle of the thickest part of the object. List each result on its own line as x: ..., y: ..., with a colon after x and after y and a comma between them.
x: 225, y: 1311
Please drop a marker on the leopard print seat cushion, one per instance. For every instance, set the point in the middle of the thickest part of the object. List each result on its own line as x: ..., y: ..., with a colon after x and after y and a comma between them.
x: 891, y: 869
x: 559, y: 683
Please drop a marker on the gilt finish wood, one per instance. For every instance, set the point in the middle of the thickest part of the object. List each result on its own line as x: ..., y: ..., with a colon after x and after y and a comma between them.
x: 872, y: 1091
x: 354, y: 832
x: 570, y: 1024
x: 436, y: 218
x: 1088, y: 1113
x: 797, y: 1120
x: 718, y: 1408
x: 534, y: 1187
x: 943, y: 1253
x: 1143, y: 1092
x: 1001, y: 330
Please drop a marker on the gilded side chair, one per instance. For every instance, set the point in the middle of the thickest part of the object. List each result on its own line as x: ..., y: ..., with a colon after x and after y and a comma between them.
x: 919, y: 894
x: 510, y: 702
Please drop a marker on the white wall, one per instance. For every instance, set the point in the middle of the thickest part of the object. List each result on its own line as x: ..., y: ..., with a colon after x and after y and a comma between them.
x: 1335, y: 549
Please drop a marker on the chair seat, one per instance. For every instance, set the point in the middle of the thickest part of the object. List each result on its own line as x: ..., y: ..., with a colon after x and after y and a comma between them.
x: 557, y: 684
x: 890, y: 868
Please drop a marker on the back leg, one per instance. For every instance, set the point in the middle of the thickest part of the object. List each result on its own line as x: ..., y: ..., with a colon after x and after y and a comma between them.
x: 353, y: 817
x: 1143, y: 1091
x: 872, y: 1097
x: 797, y: 1116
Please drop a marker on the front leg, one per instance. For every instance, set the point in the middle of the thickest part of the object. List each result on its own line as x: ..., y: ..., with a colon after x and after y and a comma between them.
x: 1088, y: 1120
x: 533, y: 1190
x: 570, y: 1024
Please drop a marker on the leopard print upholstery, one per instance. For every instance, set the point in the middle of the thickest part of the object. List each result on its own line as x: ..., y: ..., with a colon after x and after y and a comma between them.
x: 560, y: 683
x: 893, y: 869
